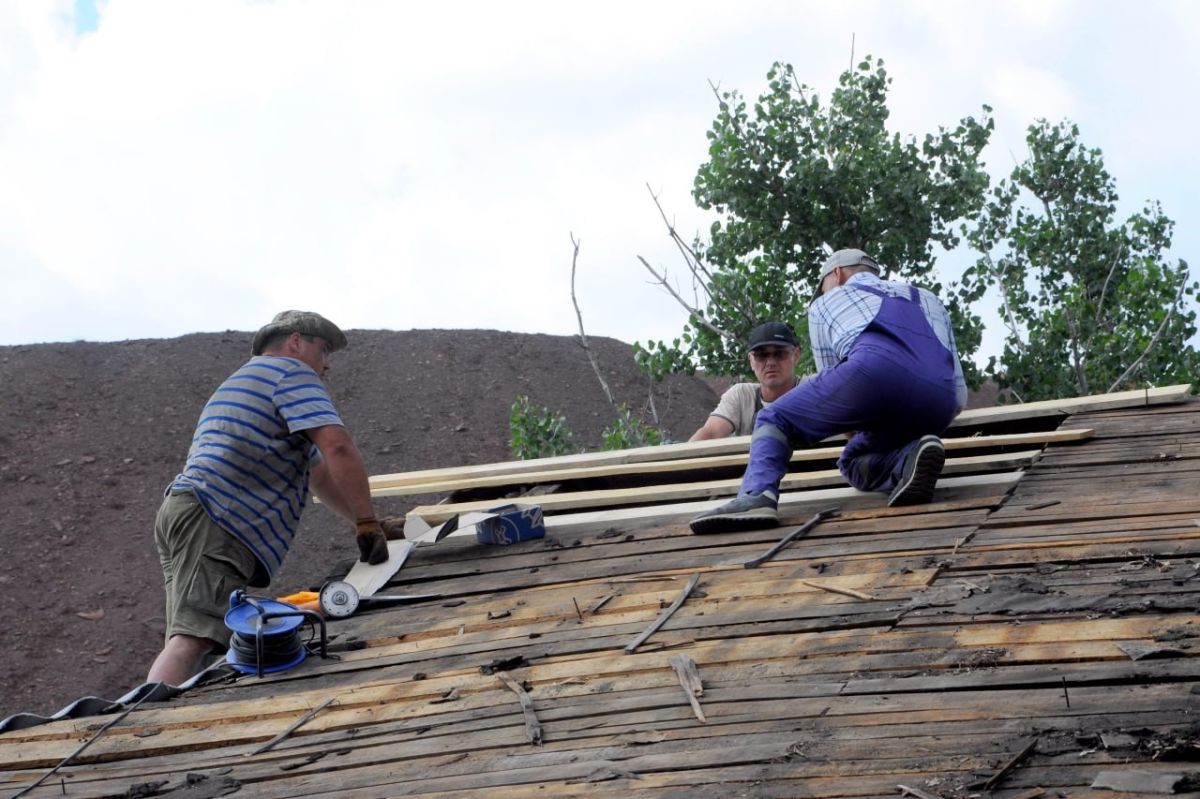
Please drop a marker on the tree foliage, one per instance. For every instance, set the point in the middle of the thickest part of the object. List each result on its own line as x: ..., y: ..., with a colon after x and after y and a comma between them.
x: 792, y: 179
x: 1091, y: 304
x: 628, y: 431
x: 535, y: 431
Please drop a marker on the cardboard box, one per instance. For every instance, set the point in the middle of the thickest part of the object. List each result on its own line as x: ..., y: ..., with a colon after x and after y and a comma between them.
x: 510, y: 524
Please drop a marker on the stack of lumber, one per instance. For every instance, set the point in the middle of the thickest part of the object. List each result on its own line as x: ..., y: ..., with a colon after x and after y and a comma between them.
x: 812, y: 468
x: 1017, y: 638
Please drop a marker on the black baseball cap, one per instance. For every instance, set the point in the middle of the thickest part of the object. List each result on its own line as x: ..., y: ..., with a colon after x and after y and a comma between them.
x: 772, y: 333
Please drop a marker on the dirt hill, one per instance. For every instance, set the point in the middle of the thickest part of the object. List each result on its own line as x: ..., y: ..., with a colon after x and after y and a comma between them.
x: 92, y: 434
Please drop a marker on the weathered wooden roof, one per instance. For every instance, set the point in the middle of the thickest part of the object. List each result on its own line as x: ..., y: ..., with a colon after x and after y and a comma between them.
x: 1029, y: 633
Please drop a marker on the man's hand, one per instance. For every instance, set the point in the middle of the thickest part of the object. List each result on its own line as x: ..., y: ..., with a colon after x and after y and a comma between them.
x: 393, y: 527
x: 372, y: 543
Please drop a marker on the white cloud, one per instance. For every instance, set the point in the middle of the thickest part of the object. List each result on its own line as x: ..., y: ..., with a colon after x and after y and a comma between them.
x: 1028, y: 92
x: 199, y: 165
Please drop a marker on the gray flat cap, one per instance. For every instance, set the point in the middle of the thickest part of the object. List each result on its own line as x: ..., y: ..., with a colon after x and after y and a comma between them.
x: 306, y: 323
x: 843, y: 258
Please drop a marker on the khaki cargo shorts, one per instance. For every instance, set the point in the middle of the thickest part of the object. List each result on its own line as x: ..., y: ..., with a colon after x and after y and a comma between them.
x: 202, y: 564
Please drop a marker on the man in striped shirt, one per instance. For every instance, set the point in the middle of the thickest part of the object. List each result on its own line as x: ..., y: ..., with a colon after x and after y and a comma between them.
x: 888, y: 373
x: 266, y: 437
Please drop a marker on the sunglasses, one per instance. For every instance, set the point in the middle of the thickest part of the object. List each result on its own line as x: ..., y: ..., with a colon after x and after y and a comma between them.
x: 769, y: 353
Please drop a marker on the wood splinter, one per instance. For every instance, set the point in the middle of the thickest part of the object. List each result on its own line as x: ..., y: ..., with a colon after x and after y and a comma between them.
x: 689, y: 680
x: 599, y: 603
x: 533, y: 728
x: 295, y: 725
x: 662, y: 618
x: 906, y: 790
x: 1010, y: 765
x: 835, y: 590
x: 802, y: 530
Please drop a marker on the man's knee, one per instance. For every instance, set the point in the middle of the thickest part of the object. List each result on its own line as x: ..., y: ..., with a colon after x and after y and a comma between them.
x: 766, y: 430
x: 193, y: 646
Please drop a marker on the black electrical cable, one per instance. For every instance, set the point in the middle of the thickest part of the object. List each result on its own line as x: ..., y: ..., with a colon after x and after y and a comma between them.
x: 277, y: 648
x: 266, y: 649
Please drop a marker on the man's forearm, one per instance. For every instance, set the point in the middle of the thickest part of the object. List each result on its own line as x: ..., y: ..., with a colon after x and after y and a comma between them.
x: 341, y: 478
x: 348, y: 476
x: 714, y: 427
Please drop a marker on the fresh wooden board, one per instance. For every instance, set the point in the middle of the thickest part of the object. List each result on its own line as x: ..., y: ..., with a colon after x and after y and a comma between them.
x: 608, y: 498
x: 381, y: 489
x: 741, y: 444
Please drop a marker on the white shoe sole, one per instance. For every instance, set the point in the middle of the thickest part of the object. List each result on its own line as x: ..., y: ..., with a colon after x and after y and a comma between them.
x: 917, y: 484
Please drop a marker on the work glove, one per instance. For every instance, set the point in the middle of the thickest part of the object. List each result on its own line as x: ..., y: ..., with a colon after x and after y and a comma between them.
x: 372, y: 543
x: 393, y: 527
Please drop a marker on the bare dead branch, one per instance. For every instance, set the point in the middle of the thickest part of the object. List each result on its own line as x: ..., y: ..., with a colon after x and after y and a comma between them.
x: 701, y: 274
x: 695, y: 313
x: 1009, y: 319
x: 650, y: 400
x: 1153, y: 340
x: 694, y: 263
x: 1108, y: 278
x: 1077, y: 357
x: 798, y: 86
x: 582, y: 335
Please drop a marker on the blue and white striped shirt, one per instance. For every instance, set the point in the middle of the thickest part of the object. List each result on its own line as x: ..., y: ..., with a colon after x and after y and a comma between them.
x: 249, y: 461
x: 838, y: 317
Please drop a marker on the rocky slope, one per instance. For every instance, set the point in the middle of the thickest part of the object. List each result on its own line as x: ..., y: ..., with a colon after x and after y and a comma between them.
x: 93, y: 432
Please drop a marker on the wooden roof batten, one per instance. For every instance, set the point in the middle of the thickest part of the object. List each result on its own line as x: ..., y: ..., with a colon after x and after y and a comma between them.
x: 1032, y: 629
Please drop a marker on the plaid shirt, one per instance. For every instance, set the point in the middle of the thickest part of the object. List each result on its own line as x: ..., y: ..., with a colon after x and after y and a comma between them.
x: 837, y: 318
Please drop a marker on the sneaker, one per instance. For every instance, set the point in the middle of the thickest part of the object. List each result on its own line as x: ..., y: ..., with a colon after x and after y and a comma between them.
x: 747, y: 512
x: 921, y: 471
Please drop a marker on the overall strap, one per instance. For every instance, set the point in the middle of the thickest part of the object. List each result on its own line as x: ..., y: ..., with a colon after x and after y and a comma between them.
x: 868, y: 289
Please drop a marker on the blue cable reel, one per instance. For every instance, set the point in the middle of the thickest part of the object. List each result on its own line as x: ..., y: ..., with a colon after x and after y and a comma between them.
x: 266, y: 635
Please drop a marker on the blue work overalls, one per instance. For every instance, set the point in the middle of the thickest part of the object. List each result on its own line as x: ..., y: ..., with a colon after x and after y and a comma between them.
x: 896, y: 385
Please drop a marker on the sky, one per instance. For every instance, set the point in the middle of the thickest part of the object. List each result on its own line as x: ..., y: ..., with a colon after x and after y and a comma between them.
x: 178, y: 166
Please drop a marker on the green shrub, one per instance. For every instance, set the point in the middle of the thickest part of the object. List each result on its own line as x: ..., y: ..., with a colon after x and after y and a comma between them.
x: 628, y: 431
x: 538, y: 432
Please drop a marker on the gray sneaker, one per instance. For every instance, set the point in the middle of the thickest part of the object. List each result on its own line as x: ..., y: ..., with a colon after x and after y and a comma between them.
x: 921, y: 471
x: 747, y: 512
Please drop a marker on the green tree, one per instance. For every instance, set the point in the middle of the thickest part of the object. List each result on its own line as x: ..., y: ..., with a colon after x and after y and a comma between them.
x: 1091, y: 305
x: 791, y: 180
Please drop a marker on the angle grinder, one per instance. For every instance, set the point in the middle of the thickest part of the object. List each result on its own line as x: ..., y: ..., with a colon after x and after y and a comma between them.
x: 339, y: 599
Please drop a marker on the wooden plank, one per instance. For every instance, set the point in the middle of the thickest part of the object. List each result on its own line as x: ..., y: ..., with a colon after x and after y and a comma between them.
x: 847, y: 740
x: 907, y: 713
x: 381, y: 487
x: 614, y: 665
x: 971, y: 490
x: 611, y: 497
x: 806, y: 692
x: 1097, y: 402
x: 739, y: 444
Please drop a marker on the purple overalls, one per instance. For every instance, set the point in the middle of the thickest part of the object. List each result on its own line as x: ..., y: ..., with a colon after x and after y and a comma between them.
x: 896, y: 385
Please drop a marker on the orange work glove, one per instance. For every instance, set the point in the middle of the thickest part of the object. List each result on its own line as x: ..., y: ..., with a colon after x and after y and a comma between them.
x: 372, y: 543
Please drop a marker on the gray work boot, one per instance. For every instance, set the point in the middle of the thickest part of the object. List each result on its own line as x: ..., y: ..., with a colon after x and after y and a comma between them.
x: 922, y: 468
x: 747, y: 512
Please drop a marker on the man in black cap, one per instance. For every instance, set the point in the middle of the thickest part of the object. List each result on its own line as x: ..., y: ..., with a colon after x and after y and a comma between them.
x: 887, y: 372
x: 774, y: 353
x: 266, y: 437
